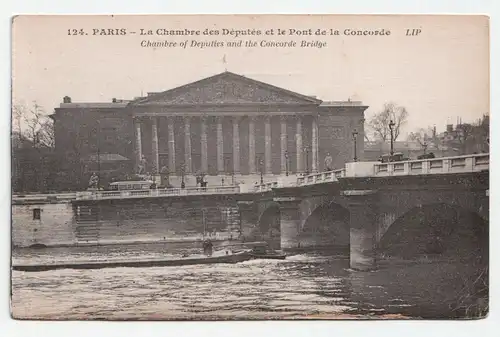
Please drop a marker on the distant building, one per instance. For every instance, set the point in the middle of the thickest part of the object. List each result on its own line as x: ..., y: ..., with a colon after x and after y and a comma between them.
x: 467, y: 138
x: 226, y: 126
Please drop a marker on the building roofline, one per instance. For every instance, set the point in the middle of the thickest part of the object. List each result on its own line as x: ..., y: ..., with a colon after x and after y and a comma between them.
x: 100, y: 105
x: 154, y: 96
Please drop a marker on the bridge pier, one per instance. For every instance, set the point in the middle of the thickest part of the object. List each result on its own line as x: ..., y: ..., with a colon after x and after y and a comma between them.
x: 363, y: 217
x: 249, y: 218
x: 290, y: 220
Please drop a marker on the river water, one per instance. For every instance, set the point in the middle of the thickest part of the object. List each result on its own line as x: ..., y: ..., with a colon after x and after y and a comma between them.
x: 314, y: 285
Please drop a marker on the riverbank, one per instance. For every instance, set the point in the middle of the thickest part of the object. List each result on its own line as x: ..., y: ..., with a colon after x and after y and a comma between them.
x: 102, y: 243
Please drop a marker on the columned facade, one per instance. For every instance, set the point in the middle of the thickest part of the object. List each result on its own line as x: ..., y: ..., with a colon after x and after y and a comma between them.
x: 228, y: 128
x: 272, y: 130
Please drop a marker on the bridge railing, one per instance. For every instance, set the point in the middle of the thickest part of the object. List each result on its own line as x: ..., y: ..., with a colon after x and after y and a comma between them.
x: 315, y: 178
x: 99, y: 195
x: 39, y: 197
x: 266, y: 187
x: 458, y: 164
x: 321, y: 177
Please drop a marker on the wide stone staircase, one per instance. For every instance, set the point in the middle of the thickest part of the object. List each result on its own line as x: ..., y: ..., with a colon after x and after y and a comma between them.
x: 154, y: 223
x: 87, y: 225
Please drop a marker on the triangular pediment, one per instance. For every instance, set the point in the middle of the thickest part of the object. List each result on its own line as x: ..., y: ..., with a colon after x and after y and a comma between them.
x: 226, y: 89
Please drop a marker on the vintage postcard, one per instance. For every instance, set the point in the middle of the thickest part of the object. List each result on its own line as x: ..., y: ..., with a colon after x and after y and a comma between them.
x: 250, y: 167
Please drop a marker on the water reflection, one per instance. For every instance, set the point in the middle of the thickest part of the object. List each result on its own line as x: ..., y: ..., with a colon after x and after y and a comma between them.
x: 310, y: 285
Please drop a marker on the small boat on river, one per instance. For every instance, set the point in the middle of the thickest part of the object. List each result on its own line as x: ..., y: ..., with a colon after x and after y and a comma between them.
x: 218, y: 257
x: 270, y: 255
x: 261, y: 251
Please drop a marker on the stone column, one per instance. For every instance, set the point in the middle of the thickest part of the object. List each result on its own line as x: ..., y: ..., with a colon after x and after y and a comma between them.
x: 298, y: 143
x: 363, y: 232
x: 187, y: 145
x: 204, y: 156
x: 236, y: 145
x: 284, y: 144
x: 267, y: 149
x: 154, y: 146
x: 251, y: 145
x: 171, y: 145
x: 290, y: 221
x: 314, y: 146
x: 138, y: 141
x: 220, y: 146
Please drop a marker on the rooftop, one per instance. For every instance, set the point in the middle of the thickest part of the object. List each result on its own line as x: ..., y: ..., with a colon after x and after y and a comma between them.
x: 342, y: 103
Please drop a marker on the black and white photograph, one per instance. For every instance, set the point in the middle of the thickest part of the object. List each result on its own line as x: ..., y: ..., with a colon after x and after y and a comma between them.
x: 250, y: 167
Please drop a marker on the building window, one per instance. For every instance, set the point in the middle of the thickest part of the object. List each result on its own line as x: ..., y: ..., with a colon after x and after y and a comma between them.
x: 37, y: 212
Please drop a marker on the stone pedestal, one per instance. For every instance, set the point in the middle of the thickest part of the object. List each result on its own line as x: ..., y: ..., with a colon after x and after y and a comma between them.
x: 363, y: 217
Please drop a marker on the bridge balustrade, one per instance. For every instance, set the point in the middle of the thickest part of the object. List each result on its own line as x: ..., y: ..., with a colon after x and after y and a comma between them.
x: 458, y: 164
x: 157, y: 193
x: 321, y: 177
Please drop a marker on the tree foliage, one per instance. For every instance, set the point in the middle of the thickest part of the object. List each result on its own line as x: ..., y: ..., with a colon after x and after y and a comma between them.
x: 379, y: 123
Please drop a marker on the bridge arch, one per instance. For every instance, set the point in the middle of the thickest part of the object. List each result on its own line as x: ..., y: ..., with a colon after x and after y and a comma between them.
x: 327, y: 226
x: 443, y: 229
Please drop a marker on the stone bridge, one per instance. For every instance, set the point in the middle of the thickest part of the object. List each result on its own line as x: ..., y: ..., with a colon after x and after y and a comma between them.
x: 372, y: 209
x: 366, y: 209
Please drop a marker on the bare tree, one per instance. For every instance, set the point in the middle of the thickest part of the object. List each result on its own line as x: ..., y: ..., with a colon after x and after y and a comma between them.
x: 379, y: 123
x: 32, y: 123
x: 34, y: 132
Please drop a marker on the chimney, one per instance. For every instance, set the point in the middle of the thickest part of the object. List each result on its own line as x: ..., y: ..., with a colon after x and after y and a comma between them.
x: 449, y: 127
x: 66, y: 99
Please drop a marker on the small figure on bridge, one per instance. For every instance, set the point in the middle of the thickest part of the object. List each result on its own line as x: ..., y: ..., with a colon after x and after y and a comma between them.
x: 328, y: 162
x: 207, y: 247
x: 164, y: 176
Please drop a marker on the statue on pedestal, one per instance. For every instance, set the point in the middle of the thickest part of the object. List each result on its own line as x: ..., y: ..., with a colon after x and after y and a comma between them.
x: 93, y: 181
x: 141, y: 166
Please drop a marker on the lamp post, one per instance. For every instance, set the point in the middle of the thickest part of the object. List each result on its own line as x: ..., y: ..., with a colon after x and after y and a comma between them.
x: 355, y: 138
x: 306, y: 151
x: 391, y: 128
x: 261, y: 164
x: 183, y: 168
x: 286, y: 162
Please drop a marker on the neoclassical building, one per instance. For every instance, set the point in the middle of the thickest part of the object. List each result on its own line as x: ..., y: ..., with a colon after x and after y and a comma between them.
x: 226, y: 126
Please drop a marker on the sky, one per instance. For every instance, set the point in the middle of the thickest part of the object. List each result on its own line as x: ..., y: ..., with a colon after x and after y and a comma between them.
x: 438, y: 75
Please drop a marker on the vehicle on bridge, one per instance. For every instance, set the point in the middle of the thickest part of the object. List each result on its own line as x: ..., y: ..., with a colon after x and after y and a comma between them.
x: 131, y: 185
x: 427, y: 156
x: 398, y: 156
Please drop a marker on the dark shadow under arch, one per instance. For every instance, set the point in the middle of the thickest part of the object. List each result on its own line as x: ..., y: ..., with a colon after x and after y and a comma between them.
x: 327, y: 226
x: 437, y: 229
x: 269, y: 227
